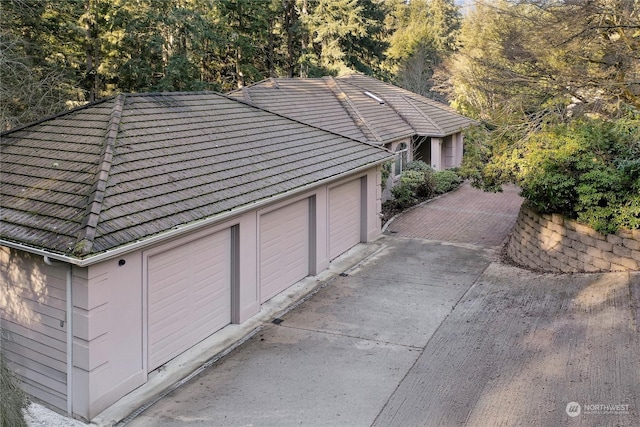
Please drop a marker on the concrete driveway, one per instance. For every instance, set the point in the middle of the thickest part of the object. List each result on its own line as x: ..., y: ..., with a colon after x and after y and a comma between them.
x: 426, y: 328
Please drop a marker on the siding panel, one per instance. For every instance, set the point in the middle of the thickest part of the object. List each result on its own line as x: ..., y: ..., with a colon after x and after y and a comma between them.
x: 33, y: 324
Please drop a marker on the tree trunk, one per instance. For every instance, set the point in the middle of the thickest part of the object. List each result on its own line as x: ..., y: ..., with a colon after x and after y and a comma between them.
x: 289, y: 8
x: 304, y: 68
x: 92, y: 83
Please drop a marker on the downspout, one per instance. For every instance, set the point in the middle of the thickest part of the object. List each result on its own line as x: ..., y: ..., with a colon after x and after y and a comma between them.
x: 69, y: 321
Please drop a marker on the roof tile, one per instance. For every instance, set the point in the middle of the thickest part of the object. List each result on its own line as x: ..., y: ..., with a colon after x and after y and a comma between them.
x: 128, y: 168
x: 344, y: 105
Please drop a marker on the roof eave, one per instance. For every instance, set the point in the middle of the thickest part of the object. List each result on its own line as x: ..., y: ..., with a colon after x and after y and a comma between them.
x: 188, y: 228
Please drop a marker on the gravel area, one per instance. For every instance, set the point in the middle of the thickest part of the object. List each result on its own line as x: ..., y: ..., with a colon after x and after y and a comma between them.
x: 39, y: 416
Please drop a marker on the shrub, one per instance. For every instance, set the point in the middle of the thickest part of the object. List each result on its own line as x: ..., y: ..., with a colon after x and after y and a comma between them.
x: 588, y: 170
x: 415, y: 184
x: 427, y: 188
x: 12, y: 399
x: 405, y: 192
x: 419, y: 166
x: 445, y: 181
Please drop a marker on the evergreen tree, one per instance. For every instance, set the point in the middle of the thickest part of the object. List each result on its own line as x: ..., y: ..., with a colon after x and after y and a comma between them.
x: 425, y: 35
x: 346, y: 35
x: 40, y: 60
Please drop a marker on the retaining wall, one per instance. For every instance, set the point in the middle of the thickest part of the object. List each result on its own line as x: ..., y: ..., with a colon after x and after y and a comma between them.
x: 558, y: 244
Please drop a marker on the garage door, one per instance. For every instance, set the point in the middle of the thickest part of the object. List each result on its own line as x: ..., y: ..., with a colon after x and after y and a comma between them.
x: 284, y: 248
x: 189, y: 295
x: 344, y: 217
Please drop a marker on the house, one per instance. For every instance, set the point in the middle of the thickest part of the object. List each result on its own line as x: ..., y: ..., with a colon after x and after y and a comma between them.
x: 135, y: 227
x: 361, y: 107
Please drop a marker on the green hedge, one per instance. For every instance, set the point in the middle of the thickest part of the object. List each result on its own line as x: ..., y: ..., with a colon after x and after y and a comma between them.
x: 588, y: 170
x: 446, y: 181
x: 419, y: 181
x: 406, y: 191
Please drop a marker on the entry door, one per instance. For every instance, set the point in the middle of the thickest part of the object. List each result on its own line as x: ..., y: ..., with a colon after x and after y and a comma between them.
x: 284, y: 248
x: 345, y: 216
x: 189, y: 295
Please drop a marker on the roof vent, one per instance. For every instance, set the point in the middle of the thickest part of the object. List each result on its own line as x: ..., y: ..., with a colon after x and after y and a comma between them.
x: 372, y: 96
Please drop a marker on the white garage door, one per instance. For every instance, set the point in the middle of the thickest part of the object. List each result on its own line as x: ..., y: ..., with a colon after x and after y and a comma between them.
x: 189, y: 291
x: 344, y: 217
x: 284, y: 248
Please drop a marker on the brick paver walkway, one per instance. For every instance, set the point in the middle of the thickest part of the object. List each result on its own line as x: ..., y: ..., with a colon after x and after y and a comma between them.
x: 466, y: 215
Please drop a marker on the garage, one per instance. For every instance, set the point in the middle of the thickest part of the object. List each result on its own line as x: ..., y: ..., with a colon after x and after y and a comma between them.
x: 284, y: 248
x: 345, y: 216
x: 189, y: 295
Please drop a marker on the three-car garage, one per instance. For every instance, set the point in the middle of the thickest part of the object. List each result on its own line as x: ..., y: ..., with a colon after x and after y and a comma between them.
x: 190, y: 284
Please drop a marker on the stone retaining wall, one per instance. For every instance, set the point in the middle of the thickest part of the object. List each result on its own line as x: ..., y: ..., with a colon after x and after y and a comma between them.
x: 557, y: 244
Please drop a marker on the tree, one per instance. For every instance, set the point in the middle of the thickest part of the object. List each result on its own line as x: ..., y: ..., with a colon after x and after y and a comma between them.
x: 161, y: 45
x: 366, y: 53
x: 425, y: 35
x: 246, y: 24
x: 556, y: 84
x: 39, y: 67
x: 55, y: 55
x: 344, y: 35
x: 521, y: 59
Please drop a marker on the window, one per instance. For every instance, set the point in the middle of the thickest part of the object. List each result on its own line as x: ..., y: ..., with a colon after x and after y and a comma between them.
x: 401, y: 157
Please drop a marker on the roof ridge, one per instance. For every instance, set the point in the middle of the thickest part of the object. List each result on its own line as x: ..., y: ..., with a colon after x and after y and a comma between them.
x: 403, y: 92
x: 87, y: 234
x: 411, y: 101
x: 385, y: 98
x: 429, y: 101
x: 352, y: 111
x: 258, y: 107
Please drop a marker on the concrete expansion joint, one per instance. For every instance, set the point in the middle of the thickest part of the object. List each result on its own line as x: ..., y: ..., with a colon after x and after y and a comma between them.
x: 462, y: 297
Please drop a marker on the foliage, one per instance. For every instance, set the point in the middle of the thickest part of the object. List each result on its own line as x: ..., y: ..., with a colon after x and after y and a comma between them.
x: 344, y: 35
x: 587, y: 170
x: 385, y: 172
x: 417, y: 182
x: 39, y: 74
x: 521, y: 61
x: 445, y: 181
x: 418, y: 165
x: 55, y: 55
x: 555, y: 85
x: 405, y: 191
x: 425, y: 35
x: 12, y: 398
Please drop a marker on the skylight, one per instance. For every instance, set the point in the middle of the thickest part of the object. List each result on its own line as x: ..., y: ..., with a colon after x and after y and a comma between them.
x: 372, y: 96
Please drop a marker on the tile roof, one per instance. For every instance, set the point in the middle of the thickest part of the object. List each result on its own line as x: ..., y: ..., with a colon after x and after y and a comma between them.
x: 133, y: 166
x: 426, y: 116
x: 357, y: 106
